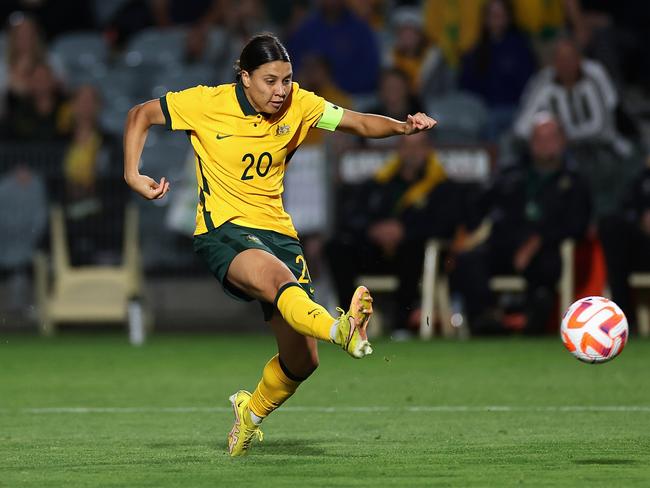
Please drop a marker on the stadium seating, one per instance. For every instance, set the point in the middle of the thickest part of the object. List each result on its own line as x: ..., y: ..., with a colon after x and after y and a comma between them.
x: 23, y: 210
x: 3, y: 47
x: 155, y: 47
x: 305, y: 190
x: 462, y: 162
x: 104, y: 11
x: 88, y: 294
x: 435, y: 289
x: 165, y: 154
x: 566, y: 285
x: 121, y: 89
x: 177, y: 78
x: 462, y: 118
x: 83, y: 54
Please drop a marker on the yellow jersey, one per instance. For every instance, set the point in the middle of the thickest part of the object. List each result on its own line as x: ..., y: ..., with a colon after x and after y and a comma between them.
x: 241, y: 155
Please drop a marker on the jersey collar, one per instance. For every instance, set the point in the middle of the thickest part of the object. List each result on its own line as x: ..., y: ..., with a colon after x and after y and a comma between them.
x: 244, y: 104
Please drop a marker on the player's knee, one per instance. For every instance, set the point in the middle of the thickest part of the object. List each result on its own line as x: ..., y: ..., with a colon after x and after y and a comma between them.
x: 281, y: 280
x: 312, y: 363
x: 309, y: 370
x: 301, y: 369
x: 309, y: 365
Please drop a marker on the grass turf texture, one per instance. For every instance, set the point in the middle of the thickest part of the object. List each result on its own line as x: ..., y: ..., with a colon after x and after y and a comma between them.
x: 138, y: 437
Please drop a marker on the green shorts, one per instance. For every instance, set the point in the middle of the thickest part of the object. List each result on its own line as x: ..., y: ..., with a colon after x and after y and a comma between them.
x: 219, y: 247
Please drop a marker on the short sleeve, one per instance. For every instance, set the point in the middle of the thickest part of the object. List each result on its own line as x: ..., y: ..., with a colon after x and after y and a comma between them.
x: 183, y: 109
x: 312, y: 107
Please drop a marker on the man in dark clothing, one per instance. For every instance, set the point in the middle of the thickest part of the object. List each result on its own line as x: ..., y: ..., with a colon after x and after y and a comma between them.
x: 529, y: 209
x: 408, y: 201
x: 626, y: 241
x: 345, y: 41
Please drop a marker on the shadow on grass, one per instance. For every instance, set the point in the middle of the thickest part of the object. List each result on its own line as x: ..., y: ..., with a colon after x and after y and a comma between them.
x: 289, y: 447
x: 604, y: 461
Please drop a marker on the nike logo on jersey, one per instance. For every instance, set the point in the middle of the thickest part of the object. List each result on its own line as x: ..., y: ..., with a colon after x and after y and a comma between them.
x: 222, y: 136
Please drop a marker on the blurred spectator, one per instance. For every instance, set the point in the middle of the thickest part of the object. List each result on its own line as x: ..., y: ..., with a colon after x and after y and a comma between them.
x: 55, y: 16
x: 245, y: 18
x: 92, y: 190
x: 626, y: 240
x: 131, y: 17
x: 616, y: 33
x: 209, y: 48
x: 288, y: 14
x: 544, y: 21
x: 528, y: 210
x: 395, y: 99
x: 498, y: 68
x: 384, y: 223
x: 412, y: 53
x: 371, y: 11
x: 196, y: 44
x: 454, y: 25
x: 169, y: 13
x: 134, y: 15
x: 242, y: 20
x: 579, y: 92
x: 23, y: 220
x: 39, y: 113
x: 315, y: 76
x: 345, y: 41
x: 25, y: 49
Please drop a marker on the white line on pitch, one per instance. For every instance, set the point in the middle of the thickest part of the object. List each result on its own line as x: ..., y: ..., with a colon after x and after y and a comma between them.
x: 342, y: 409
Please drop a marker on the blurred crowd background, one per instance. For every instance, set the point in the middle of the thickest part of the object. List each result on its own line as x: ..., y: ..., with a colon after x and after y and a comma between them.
x: 543, y: 109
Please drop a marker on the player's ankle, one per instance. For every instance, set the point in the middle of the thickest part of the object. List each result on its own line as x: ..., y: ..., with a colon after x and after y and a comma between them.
x: 334, y: 331
x: 255, y: 419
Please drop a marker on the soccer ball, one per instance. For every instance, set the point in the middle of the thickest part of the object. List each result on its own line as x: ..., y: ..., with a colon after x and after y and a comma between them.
x: 594, y: 329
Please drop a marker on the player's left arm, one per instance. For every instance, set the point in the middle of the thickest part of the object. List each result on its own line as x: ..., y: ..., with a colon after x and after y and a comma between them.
x: 378, y: 126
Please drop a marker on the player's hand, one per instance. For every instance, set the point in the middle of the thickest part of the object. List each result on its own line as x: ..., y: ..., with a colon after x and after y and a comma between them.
x: 418, y: 122
x: 148, y: 187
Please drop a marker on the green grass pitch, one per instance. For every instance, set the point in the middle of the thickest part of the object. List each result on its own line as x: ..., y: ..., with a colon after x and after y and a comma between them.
x: 90, y: 411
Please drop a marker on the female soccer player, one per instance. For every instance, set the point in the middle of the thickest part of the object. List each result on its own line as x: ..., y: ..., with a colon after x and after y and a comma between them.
x: 243, y: 135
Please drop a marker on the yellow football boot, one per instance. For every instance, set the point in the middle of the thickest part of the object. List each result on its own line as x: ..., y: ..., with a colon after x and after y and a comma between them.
x: 351, y: 329
x: 244, y: 430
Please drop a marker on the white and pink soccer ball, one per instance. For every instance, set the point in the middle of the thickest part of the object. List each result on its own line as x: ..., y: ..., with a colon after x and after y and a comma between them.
x: 594, y: 329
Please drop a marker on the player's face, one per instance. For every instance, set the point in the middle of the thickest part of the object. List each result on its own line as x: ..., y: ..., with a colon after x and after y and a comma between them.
x: 268, y: 86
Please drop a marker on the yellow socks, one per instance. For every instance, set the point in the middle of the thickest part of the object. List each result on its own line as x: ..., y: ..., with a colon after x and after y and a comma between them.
x: 302, y: 313
x: 306, y: 317
x: 274, y: 388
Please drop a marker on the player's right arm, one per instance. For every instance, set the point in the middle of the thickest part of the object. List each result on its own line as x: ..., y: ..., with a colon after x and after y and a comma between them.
x: 138, y: 121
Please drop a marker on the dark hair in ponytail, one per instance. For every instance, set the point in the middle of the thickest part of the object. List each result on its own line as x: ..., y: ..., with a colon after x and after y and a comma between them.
x: 260, y: 49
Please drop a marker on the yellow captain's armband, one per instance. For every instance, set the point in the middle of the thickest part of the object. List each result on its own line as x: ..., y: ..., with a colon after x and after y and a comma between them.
x: 331, y: 117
